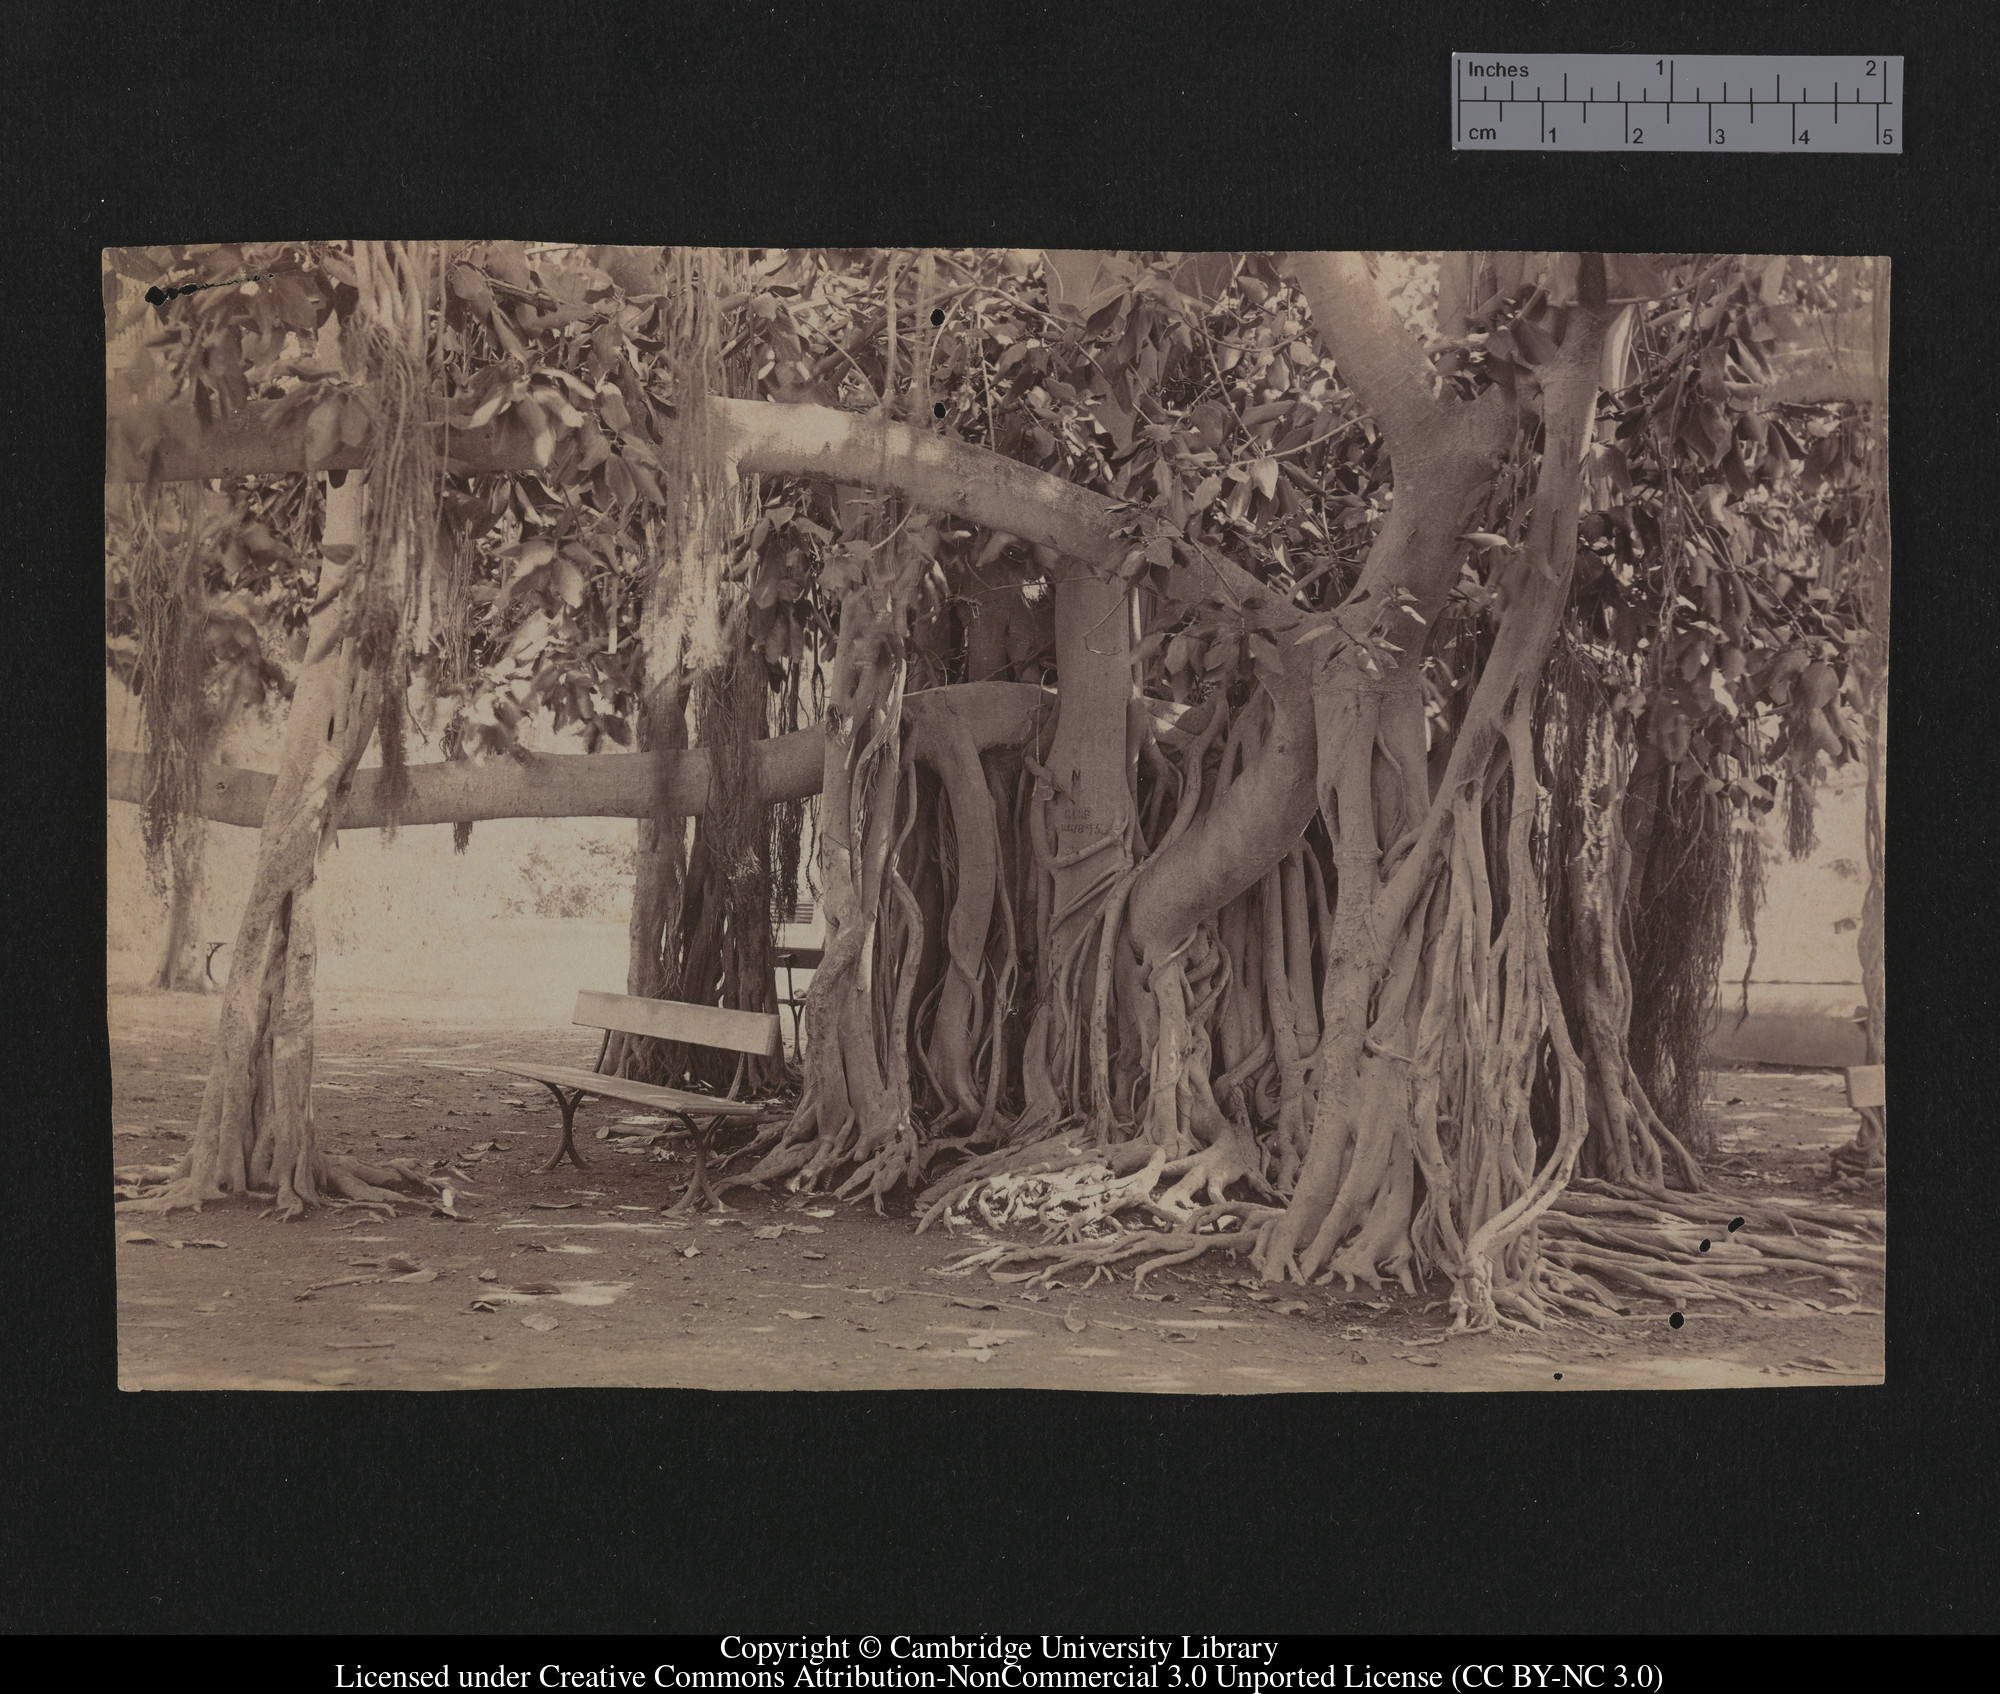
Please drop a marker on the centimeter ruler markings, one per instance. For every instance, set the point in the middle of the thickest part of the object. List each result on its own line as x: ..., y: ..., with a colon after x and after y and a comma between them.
x: 1711, y: 103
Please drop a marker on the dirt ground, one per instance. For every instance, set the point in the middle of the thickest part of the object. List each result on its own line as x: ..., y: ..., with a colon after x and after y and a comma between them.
x: 575, y: 1278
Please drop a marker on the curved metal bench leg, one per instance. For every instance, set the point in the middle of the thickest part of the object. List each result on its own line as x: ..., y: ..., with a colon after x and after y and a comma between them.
x: 568, y: 1103
x: 698, y: 1190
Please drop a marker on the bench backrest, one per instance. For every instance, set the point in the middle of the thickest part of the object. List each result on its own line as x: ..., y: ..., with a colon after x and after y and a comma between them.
x: 674, y: 1020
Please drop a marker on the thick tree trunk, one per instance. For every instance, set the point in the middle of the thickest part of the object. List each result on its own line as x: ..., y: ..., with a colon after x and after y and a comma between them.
x: 1085, y: 793
x: 180, y: 968
x: 659, y: 862
x: 256, y: 1131
x: 1392, y: 979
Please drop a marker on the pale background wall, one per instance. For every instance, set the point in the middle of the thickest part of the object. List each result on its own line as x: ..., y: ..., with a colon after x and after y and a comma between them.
x: 1806, y: 984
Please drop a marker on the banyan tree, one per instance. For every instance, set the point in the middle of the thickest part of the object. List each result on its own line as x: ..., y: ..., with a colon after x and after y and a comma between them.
x: 1277, y: 739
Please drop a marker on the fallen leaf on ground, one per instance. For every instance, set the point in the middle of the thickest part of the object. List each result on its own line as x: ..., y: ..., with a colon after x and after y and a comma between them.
x: 201, y: 1243
x: 770, y: 1232
x: 1224, y: 1309
x: 1359, y: 1357
x: 338, y: 1282
x: 865, y: 1328
x: 489, y: 1276
x: 1288, y: 1307
x: 397, y: 1264
x: 881, y: 1296
x: 417, y: 1276
x: 484, y: 1306
x: 690, y: 1252
x: 1074, y: 1324
x: 819, y: 1211
x: 1260, y: 1295
x: 139, y: 1238
x: 815, y: 1255
x: 803, y: 1228
x: 1176, y: 1335
x: 1418, y: 1359
x: 976, y: 1305
x: 535, y: 1288
x: 556, y: 1205
x: 539, y: 1321
x: 797, y: 1317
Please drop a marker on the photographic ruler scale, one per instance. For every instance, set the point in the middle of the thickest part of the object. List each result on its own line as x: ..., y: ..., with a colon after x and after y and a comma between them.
x: 1707, y: 103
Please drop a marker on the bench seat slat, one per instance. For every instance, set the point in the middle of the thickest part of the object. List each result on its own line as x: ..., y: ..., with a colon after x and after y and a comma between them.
x: 673, y: 1020
x: 638, y: 1093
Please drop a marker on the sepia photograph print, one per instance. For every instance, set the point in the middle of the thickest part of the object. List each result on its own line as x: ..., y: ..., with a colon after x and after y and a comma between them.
x: 1132, y: 821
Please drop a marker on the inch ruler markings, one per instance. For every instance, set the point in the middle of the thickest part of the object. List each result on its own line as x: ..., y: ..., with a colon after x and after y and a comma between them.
x: 1706, y: 103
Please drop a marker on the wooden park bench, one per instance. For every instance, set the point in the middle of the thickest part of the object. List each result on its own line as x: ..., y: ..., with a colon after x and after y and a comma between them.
x: 670, y: 1020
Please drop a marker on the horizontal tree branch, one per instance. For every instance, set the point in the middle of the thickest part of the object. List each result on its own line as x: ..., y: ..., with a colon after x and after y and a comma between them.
x: 937, y: 473
x: 596, y: 785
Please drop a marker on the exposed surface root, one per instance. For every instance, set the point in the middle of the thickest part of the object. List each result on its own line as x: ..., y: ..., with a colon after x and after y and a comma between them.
x: 1071, y: 1192
x: 1233, y: 1156
x: 343, y: 1181
x: 1229, y: 1228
